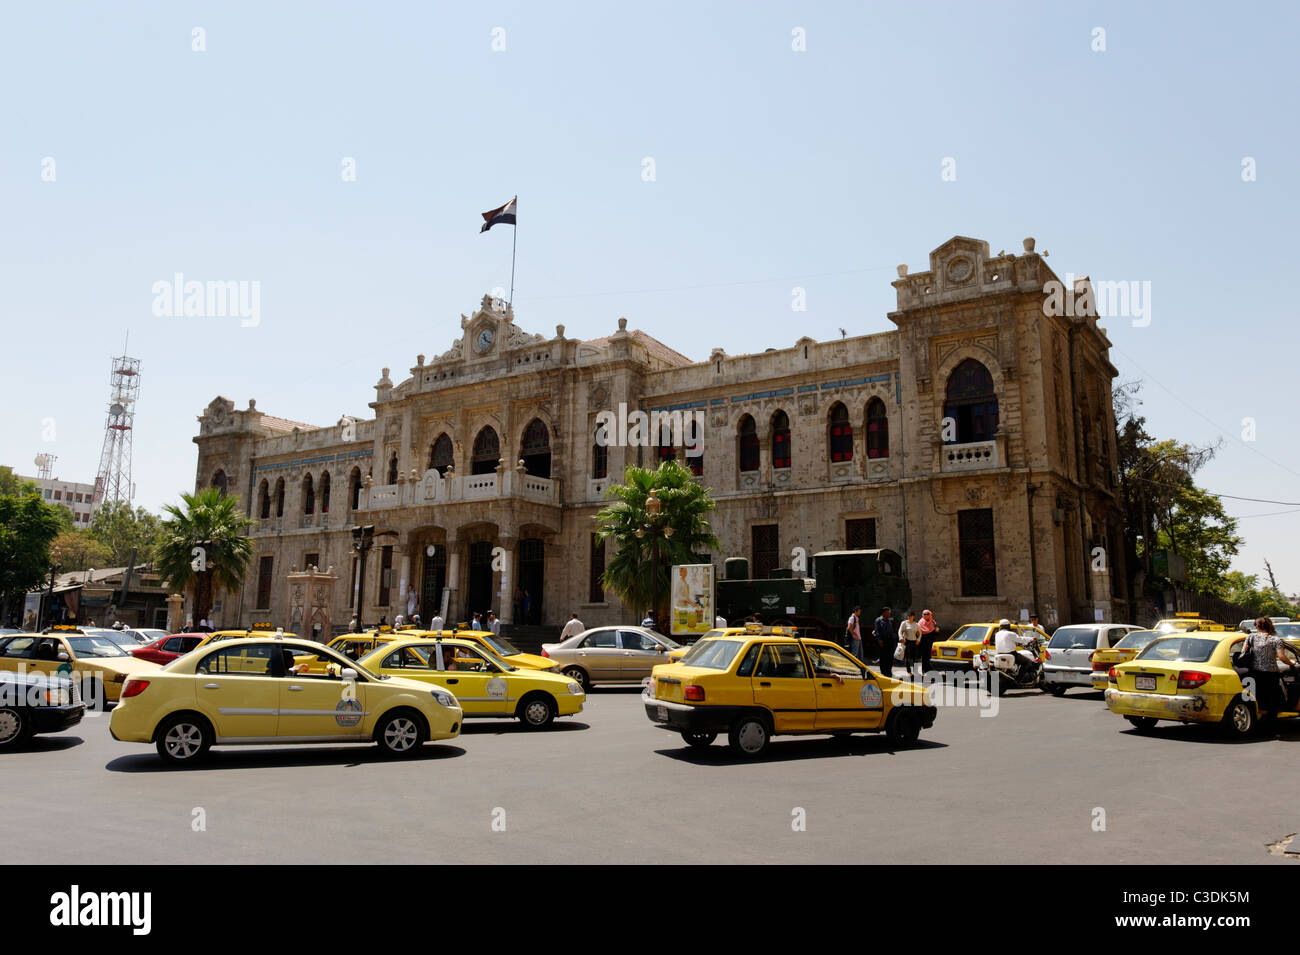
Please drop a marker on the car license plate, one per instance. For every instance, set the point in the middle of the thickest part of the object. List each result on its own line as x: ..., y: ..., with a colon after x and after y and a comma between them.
x: 661, y: 714
x: 949, y: 651
x: 1145, y: 682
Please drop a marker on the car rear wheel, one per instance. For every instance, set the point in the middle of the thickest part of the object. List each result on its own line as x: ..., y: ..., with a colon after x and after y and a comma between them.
x: 1056, y: 689
x: 579, y: 675
x: 183, y: 739
x: 1239, y: 719
x: 400, y: 734
x: 1143, y: 724
x: 749, y: 736
x: 699, y: 740
x: 536, y: 711
x: 15, y: 727
x: 904, y: 727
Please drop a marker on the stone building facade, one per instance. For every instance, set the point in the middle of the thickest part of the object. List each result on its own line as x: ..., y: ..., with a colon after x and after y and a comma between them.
x: 976, y: 438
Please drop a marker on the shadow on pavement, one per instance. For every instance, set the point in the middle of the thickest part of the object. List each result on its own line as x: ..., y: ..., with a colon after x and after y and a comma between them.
x: 246, y: 758
x: 781, y: 750
x: 511, y: 727
x: 46, y: 744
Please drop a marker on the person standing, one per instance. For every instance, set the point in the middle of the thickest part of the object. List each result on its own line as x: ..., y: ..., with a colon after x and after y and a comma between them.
x: 436, y: 623
x: 719, y: 622
x: 909, y: 632
x: 572, y: 628
x: 352, y: 624
x: 649, y: 621
x: 929, y: 634
x: 853, y: 630
x: 886, y: 636
x: 494, y: 623
x: 1261, y: 649
x: 476, y: 623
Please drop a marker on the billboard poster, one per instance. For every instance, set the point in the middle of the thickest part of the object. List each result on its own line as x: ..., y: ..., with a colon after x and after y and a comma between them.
x: 692, y: 599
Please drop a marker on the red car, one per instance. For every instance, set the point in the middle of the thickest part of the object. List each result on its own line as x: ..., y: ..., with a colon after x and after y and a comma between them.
x: 166, y: 649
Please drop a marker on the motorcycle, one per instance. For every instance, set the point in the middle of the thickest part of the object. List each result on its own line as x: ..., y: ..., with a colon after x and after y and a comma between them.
x: 1012, y: 670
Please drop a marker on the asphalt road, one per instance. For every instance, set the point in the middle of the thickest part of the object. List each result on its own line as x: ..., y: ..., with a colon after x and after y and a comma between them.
x: 609, y: 787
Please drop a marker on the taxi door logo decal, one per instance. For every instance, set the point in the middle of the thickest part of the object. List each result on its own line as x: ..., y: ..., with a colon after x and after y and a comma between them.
x: 496, y: 688
x: 348, y: 712
x: 871, y: 696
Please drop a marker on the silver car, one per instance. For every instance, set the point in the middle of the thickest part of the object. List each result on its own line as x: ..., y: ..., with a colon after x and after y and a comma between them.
x: 1069, y: 653
x: 610, y: 654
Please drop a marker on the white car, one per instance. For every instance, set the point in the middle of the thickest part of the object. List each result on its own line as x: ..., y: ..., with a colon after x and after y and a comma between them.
x: 1069, y: 653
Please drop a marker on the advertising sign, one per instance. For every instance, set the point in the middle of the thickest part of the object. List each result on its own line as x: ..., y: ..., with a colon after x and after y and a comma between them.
x: 692, y: 599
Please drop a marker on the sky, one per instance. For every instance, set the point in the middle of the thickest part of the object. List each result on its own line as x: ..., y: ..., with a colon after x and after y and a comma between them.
x: 683, y: 165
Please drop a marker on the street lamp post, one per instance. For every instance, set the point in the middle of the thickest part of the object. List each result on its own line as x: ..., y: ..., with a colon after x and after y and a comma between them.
x: 363, y: 538
x: 655, y: 527
x: 49, y: 601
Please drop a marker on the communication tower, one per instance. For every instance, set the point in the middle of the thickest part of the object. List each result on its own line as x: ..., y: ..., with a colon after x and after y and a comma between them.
x: 113, y: 480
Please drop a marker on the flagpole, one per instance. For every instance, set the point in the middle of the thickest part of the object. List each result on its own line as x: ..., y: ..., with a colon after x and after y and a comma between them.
x: 513, y: 241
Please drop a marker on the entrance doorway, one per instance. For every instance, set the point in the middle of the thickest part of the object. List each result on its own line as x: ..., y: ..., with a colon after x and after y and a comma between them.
x: 532, y: 556
x: 478, y: 595
x: 432, y: 581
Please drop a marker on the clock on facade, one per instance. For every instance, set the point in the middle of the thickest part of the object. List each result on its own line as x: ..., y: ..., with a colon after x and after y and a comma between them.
x: 484, y: 340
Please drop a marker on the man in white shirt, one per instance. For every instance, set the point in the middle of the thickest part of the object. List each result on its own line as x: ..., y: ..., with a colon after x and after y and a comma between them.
x: 719, y: 622
x: 572, y: 628
x: 1008, y: 641
x: 494, y: 623
x: 436, y: 622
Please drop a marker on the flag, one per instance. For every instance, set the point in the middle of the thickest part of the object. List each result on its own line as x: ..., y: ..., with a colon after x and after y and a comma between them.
x: 503, y: 215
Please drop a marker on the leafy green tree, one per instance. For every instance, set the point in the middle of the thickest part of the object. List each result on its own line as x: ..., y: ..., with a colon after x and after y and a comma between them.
x: 123, y: 529
x: 1244, y: 590
x: 78, y: 550
x: 649, y: 544
x: 202, y: 543
x: 27, y: 528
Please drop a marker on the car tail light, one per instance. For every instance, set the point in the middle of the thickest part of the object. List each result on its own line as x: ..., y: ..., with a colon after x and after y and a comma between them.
x: 694, y: 693
x: 1091, y: 655
x: 134, y: 687
x: 1047, y: 655
x: 1191, y: 679
x: 968, y: 654
x: 1111, y: 677
x: 1100, y: 667
x: 545, y: 654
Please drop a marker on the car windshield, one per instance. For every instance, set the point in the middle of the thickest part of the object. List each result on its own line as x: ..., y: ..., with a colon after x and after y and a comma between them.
x: 974, y: 632
x: 712, y: 654
x: 95, y: 646
x: 123, y: 638
x: 1136, y: 640
x: 1074, y: 638
x: 1289, y: 630
x: 669, y: 642
x: 151, y: 635
x: 1179, y: 649
x: 503, y: 647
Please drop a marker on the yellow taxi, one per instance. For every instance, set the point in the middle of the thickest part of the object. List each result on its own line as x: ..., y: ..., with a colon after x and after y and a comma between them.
x: 354, y: 646
x: 95, y: 663
x: 1188, y: 677
x: 250, y: 691
x: 756, y: 682
x: 959, y: 651
x: 256, y: 630
x: 1132, y: 644
x: 484, y: 684
x: 1183, y: 621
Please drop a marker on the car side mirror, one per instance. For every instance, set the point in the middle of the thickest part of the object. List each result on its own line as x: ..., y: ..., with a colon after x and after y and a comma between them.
x: 64, y: 656
x: 350, y: 675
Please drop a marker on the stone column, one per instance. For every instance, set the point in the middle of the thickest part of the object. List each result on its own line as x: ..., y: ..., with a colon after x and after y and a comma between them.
x: 506, y: 581
x: 174, y: 610
x: 449, y: 602
x: 403, y: 577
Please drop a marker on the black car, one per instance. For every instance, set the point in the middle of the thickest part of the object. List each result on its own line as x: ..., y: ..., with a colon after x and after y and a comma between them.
x: 32, y: 703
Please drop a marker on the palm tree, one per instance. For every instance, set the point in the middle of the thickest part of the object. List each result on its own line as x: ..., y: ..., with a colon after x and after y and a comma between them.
x: 204, y: 542
x: 657, y: 519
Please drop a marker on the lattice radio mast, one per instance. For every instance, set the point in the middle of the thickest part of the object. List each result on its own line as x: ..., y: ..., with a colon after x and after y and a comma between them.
x: 113, y: 480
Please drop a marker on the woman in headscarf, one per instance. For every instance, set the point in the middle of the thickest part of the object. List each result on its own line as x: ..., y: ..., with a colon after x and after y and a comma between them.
x: 929, y: 634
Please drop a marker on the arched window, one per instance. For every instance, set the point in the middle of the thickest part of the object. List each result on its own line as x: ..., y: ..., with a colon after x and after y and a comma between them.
x: 693, y: 443
x: 748, y: 444
x: 354, y: 488
x: 219, y: 482
x: 780, y: 440
x: 325, y: 492
x: 279, y: 497
x: 600, y: 453
x: 877, y: 429
x: 841, y: 433
x: 441, y: 454
x: 535, y: 448
x: 264, y: 501
x: 308, y: 495
x: 971, y: 402
x: 487, y: 452
x: 392, y: 469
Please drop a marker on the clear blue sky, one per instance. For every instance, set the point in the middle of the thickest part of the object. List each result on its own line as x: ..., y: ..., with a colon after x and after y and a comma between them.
x: 773, y: 168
